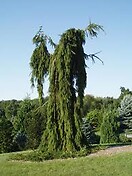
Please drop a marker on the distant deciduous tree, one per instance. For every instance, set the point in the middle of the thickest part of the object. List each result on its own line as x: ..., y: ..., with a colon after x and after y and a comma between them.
x: 124, y: 92
x: 20, y: 125
x: 6, y: 137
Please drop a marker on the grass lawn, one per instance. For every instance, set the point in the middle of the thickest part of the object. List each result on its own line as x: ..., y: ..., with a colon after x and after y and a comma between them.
x: 115, y: 165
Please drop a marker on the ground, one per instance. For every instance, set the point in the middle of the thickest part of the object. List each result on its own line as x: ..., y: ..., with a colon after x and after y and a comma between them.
x: 112, y: 151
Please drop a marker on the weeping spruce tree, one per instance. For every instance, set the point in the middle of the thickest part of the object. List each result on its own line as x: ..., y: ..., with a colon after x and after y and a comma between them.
x: 67, y: 77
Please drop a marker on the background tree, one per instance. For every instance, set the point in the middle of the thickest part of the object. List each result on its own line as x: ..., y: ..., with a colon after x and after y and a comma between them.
x: 124, y: 92
x: 35, y: 124
x: 125, y: 113
x: 109, y: 131
x: 95, y: 118
x: 11, y: 109
x: 88, y: 104
x: 6, y: 137
x: 89, y: 132
x: 20, y: 136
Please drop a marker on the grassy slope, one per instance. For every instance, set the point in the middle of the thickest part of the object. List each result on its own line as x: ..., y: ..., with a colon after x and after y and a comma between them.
x: 117, y: 165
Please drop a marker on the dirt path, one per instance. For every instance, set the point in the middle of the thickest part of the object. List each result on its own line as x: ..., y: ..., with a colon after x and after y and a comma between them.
x: 112, y: 150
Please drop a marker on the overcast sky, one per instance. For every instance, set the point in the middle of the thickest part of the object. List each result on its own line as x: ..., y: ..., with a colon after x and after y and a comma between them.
x: 20, y: 20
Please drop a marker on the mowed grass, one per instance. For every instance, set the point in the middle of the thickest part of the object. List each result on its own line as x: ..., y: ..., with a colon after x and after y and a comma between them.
x: 115, y: 165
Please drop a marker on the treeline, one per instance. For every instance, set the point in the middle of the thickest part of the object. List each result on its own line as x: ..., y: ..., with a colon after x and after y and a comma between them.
x: 105, y: 120
x: 21, y: 124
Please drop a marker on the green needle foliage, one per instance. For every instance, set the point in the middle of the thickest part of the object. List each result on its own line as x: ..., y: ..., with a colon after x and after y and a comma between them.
x: 109, y: 128
x: 67, y: 76
x: 92, y: 29
x: 125, y: 113
x: 39, y: 63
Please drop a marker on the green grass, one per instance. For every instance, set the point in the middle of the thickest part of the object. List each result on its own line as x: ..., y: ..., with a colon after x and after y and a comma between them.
x: 116, y: 165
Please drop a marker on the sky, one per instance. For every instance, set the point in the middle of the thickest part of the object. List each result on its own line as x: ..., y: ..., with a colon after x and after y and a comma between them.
x: 20, y: 20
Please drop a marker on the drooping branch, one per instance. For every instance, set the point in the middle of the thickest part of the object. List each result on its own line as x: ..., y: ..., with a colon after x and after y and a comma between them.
x: 92, y: 29
x: 93, y: 57
x: 39, y: 62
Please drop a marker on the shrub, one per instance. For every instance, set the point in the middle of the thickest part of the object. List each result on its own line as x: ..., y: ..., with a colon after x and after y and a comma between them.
x: 40, y: 156
x: 109, y: 128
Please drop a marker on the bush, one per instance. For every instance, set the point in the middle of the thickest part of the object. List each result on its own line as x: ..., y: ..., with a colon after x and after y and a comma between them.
x: 124, y: 139
x: 109, y: 132
x: 40, y: 156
